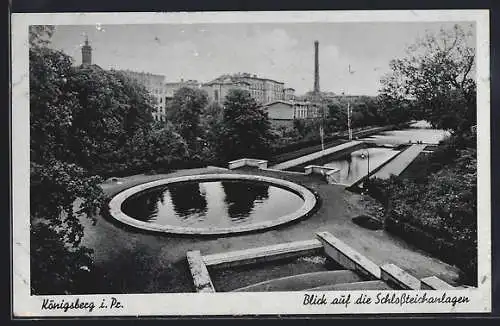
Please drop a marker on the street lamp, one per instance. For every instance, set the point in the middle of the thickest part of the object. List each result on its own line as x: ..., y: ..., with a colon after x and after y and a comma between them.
x: 368, y: 167
x: 349, y: 104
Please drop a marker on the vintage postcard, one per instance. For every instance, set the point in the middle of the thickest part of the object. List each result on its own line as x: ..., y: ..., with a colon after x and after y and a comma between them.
x: 250, y: 163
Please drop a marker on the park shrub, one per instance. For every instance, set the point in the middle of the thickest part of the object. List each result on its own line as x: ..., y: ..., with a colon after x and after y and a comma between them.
x: 437, y: 214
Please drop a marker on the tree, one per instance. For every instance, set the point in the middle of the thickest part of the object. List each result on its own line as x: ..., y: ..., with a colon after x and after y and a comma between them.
x: 437, y: 75
x: 110, y: 109
x: 160, y: 147
x: 60, y: 190
x: 39, y: 35
x: 84, y: 122
x: 246, y: 128
x: 184, y: 113
x: 60, y: 194
x: 212, y: 125
x: 394, y: 110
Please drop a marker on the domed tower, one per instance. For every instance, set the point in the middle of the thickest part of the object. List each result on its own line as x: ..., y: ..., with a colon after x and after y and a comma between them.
x: 86, y: 53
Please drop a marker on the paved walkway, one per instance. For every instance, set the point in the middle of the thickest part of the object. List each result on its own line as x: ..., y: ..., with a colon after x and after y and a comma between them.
x: 313, y: 156
x: 400, y: 162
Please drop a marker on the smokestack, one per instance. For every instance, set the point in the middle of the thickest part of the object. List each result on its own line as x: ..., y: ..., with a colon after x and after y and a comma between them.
x: 316, y: 67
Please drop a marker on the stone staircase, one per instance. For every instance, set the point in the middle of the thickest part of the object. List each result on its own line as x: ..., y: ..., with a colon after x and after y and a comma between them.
x: 357, y: 273
x: 303, y: 282
x: 364, y: 285
x: 338, y: 280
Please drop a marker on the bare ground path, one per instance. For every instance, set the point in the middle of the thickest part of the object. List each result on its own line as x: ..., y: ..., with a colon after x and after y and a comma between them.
x: 140, y: 262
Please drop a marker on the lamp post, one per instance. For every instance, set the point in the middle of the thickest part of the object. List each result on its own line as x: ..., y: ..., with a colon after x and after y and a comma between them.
x: 349, y: 104
x: 346, y: 94
x: 349, y: 119
x: 368, y: 168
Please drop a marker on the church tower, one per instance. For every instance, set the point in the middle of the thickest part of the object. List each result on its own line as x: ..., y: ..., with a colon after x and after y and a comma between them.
x: 86, y: 53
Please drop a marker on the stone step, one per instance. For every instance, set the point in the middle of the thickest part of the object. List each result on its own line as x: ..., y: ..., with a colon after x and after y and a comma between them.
x: 366, y: 285
x: 303, y: 281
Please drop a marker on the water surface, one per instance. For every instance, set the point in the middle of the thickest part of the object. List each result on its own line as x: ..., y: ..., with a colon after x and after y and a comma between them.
x: 415, y: 134
x: 358, y: 163
x: 212, y: 203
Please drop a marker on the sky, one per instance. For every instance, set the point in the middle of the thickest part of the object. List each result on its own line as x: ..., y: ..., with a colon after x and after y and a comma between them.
x: 284, y: 52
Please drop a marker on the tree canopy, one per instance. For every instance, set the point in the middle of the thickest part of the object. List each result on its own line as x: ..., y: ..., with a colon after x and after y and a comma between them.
x: 56, y: 181
x: 86, y: 123
x: 246, y: 130
x: 437, y: 76
x: 184, y: 113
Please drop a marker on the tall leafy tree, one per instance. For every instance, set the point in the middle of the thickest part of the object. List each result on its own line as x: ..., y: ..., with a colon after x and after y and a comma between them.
x: 438, y: 76
x: 60, y: 190
x: 85, y: 123
x: 212, y: 126
x: 159, y: 147
x: 246, y: 128
x: 110, y: 109
x: 184, y: 113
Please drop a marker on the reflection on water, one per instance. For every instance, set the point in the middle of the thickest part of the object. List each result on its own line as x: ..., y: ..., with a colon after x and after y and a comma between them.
x: 355, y: 165
x: 240, y: 200
x: 213, y: 203
x: 187, y: 199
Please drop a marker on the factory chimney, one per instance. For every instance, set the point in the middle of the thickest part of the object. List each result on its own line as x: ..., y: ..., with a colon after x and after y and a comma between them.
x: 316, y: 67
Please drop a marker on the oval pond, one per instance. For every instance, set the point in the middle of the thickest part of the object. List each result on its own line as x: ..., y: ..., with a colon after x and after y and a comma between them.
x: 212, y: 203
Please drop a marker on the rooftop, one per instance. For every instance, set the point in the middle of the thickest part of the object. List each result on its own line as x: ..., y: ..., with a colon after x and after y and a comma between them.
x: 232, y: 78
x: 291, y: 103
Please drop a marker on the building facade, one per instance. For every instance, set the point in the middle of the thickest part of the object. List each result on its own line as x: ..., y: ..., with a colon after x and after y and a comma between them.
x: 281, y: 103
x: 290, y: 110
x: 155, y: 85
x: 289, y: 94
x: 218, y: 88
x: 263, y: 90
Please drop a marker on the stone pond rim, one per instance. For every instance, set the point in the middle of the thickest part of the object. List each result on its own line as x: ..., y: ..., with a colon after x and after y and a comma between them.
x: 310, y: 202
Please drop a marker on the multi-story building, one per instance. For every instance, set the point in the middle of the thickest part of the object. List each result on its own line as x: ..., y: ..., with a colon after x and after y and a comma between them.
x: 218, y: 88
x: 263, y: 90
x: 289, y: 110
x: 280, y: 102
x: 289, y: 94
x: 282, y: 113
x: 154, y: 84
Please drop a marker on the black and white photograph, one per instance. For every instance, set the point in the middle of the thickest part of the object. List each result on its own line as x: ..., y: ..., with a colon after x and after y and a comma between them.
x: 251, y: 163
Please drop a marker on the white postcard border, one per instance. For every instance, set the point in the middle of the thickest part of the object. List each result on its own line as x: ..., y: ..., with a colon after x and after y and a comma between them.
x: 25, y: 305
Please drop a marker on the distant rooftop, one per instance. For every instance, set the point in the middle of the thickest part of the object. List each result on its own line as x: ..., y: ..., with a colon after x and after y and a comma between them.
x: 140, y: 73
x: 182, y: 81
x: 291, y: 102
x: 232, y: 78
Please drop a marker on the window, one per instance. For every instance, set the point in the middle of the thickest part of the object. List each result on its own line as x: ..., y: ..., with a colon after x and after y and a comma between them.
x: 216, y: 95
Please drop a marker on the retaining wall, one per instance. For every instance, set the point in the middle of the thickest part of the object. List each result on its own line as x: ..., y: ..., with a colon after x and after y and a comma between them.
x: 395, y: 277
x: 247, y: 162
x: 352, y: 145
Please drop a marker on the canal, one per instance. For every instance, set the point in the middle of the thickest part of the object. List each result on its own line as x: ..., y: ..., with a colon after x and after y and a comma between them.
x: 377, y: 151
